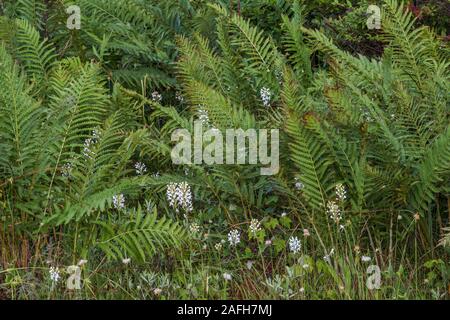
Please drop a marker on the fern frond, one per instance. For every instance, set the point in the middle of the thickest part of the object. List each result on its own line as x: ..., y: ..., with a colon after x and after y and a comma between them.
x: 140, y: 238
x: 433, y: 170
x: 37, y: 56
x: 20, y: 121
x: 311, y: 160
x: 414, y: 49
x: 32, y: 11
x: 299, y: 53
x: 369, y: 70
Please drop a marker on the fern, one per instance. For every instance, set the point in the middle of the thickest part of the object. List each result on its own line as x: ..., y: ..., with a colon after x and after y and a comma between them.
x: 20, y: 121
x: 37, y: 56
x: 433, y: 170
x: 140, y: 238
x: 309, y: 157
x: 412, y: 48
x: 299, y: 53
x: 33, y: 12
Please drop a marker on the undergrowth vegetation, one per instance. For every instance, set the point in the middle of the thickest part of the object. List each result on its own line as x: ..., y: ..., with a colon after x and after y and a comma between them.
x: 358, y: 210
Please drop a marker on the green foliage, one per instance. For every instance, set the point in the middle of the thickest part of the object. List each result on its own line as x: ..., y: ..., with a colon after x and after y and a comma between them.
x: 63, y: 159
x: 37, y: 56
x: 86, y: 123
x: 143, y: 236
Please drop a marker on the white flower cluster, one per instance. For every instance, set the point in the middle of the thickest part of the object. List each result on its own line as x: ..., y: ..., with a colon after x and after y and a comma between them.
x: 119, y: 201
x: 341, y: 193
x: 294, y: 245
x: 227, y: 276
x: 234, y: 237
x: 194, y: 228
x: 298, y: 184
x: 203, y: 116
x: 334, y: 211
x: 87, y: 152
x: 156, y: 96
x: 54, y: 274
x: 218, y: 246
x: 266, y: 95
x: 179, y: 196
x: 179, y: 97
x: 255, y: 226
x: 96, y: 134
x: 140, y: 168
x: 66, y: 170
x: 89, y: 143
x: 172, y: 194
x: 366, y: 259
